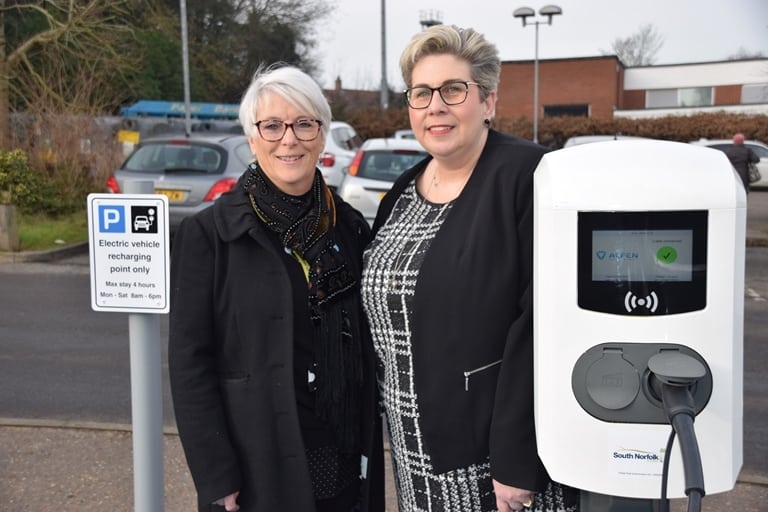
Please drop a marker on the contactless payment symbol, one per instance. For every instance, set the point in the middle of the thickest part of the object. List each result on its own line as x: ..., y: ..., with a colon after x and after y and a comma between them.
x: 666, y: 254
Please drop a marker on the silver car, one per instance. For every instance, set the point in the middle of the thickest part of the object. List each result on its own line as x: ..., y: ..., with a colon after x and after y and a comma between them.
x: 192, y: 172
x: 377, y: 165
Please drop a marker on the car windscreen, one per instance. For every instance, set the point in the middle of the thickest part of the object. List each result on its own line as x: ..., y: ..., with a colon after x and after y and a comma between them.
x: 388, y: 165
x: 169, y: 157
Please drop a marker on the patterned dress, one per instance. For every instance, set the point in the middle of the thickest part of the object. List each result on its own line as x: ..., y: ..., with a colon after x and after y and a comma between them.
x: 392, y: 263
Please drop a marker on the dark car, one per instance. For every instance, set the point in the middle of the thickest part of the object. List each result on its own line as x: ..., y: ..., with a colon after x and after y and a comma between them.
x: 191, y: 171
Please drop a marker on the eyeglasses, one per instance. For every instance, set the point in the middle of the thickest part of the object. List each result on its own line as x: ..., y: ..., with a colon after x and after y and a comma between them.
x: 273, y: 130
x: 452, y: 93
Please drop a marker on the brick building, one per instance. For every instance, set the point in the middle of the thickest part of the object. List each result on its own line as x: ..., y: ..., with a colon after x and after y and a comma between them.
x: 603, y: 87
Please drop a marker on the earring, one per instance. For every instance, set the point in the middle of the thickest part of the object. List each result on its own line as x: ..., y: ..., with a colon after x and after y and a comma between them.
x: 487, y: 122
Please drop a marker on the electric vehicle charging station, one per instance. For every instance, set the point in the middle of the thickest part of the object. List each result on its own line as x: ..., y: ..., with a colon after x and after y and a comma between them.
x: 639, y: 295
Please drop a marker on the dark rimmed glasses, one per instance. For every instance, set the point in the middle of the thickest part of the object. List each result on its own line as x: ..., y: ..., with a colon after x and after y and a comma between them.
x: 273, y: 130
x: 452, y: 93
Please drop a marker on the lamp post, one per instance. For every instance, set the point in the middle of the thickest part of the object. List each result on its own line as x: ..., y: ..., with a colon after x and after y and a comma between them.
x: 384, y: 90
x: 524, y: 13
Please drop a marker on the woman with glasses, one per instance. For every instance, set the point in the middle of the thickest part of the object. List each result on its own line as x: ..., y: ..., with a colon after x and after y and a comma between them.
x: 447, y: 290
x: 271, y: 365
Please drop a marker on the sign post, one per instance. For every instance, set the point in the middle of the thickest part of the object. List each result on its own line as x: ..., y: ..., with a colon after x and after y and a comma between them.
x: 130, y: 264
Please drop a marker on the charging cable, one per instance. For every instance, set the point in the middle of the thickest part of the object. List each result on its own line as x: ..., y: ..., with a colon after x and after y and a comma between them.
x: 673, y: 375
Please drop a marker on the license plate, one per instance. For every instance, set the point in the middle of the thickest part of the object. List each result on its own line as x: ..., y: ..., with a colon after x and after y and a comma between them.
x: 174, y: 196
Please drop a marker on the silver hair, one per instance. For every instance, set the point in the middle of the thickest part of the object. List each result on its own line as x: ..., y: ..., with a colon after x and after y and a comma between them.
x: 293, y: 85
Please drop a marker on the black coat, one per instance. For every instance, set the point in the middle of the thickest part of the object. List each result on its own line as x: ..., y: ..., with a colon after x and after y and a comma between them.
x: 473, y: 313
x: 231, y: 361
x: 740, y: 157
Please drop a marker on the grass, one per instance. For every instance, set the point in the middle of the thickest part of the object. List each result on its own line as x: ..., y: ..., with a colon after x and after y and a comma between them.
x: 39, y: 232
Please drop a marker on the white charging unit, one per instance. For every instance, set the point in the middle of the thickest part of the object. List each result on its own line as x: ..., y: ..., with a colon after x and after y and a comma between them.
x: 638, y: 249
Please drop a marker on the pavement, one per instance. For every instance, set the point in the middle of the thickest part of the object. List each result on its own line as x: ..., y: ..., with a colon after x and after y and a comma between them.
x: 53, y: 466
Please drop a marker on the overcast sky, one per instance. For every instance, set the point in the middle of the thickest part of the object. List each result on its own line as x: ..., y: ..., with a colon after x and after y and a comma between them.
x: 692, y: 31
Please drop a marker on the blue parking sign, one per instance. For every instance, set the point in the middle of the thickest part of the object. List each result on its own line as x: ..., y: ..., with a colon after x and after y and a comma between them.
x: 111, y: 218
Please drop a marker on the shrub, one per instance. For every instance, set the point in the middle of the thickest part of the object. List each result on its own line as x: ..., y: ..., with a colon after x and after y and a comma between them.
x: 554, y: 131
x: 70, y: 155
x: 27, y: 188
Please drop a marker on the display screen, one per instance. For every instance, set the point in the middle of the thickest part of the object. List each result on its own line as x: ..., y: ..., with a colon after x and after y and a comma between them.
x: 642, y: 255
x: 642, y: 263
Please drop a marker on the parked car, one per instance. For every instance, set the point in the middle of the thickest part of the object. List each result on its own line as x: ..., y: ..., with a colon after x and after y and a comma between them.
x: 192, y: 172
x: 341, y: 144
x: 404, y: 134
x: 760, y: 149
x: 377, y: 164
x: 586, y: 139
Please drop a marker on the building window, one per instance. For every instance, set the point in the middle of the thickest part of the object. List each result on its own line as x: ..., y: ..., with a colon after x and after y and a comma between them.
x: 660, y: 98
x: 566, y: 110
x: 695, y: 97
x: 687, y: 97
x: 754, y: 93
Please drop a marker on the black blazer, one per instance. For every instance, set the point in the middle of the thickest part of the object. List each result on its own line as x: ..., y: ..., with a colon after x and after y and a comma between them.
x: 472, y: 320
x: 231, y: 361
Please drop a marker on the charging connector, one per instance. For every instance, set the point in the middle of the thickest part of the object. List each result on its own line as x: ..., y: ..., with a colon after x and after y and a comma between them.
x: 673, y: 375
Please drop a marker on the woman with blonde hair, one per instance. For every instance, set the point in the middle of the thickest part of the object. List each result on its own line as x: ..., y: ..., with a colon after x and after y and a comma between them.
x: 447, y: 288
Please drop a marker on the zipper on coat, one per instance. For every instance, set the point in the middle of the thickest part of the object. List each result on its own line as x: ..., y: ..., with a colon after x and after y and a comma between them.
x: 468, y: 373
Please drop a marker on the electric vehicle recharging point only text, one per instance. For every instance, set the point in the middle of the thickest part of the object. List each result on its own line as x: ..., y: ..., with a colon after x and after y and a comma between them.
x: 638, y: 290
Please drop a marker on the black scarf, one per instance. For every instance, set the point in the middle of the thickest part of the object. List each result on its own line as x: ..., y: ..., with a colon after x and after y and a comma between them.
x: 305, y: 226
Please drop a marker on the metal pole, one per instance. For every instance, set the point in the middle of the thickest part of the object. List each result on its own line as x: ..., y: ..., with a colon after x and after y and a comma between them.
x: 384, y: 88
x: 147, y: 412
x: 536, y: 87
x: 146, y: 398
x: 185, y: 66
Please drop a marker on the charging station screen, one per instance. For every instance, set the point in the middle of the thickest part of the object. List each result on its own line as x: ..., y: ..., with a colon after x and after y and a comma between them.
x: 649, y: 255
x: 642, y: 263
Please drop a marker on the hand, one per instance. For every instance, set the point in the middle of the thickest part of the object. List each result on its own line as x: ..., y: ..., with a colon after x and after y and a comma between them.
x: 511, y: 498
x: 229, y: 502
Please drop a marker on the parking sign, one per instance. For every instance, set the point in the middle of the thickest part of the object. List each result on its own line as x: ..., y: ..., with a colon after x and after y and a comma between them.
x: 129, y: 252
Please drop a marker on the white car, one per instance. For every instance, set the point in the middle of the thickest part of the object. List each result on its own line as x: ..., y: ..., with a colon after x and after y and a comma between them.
x: 377, y: 165
x: 341, y: 144
x: 760, y: 149
x: 586, y: 139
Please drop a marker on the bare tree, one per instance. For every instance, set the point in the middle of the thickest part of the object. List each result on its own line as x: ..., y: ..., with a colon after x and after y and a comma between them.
x: 5, y: 135
x: 640, y: 48
x: 744, y: 54
x: 70, y: 61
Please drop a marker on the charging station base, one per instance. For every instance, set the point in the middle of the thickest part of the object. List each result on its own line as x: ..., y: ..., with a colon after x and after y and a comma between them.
x: 594, y: 502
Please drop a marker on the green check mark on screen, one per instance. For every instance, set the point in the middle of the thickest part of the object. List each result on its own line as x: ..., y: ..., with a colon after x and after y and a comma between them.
x: 666, y: 254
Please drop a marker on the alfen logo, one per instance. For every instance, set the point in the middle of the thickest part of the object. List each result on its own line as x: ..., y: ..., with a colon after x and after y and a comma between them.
x: 617, y: 255
x: 111, y: 219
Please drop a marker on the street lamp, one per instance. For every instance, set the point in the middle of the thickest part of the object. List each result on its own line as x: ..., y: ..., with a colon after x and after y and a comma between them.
x: 524, y: 13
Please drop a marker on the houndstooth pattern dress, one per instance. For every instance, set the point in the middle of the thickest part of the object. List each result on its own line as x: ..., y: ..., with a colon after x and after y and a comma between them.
x: 392, y: 263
